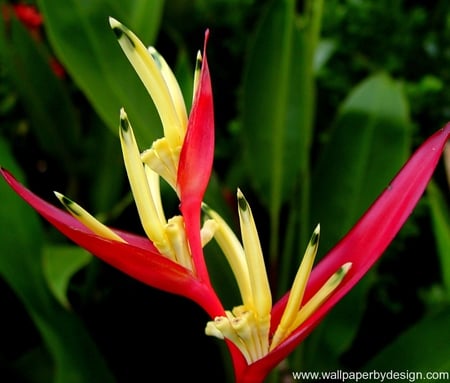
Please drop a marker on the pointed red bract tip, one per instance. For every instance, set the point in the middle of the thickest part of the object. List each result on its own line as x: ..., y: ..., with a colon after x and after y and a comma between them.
x: 137, y: 258
x: 196, y: 160
x: 197, y: 153
x: 362, y: 246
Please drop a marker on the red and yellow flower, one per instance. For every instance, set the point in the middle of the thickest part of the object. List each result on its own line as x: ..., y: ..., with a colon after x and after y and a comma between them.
x: 170, y: 257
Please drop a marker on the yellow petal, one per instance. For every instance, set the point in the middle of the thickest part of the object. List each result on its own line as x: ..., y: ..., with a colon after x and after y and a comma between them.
x: 150, y: 75
x: 163, y: 159
x: 198, y: 67
x: 324, y: 292
x: 297, y: 290
x: 234, y: 253
x: 176, y: 236
x: 172, y: 86
x: 87, y: 219
x: 154, y: 186
x: 255, y: 260
x: 148, y: 212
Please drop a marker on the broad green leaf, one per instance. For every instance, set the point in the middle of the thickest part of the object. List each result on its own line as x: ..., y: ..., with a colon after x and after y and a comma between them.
x: 60, y: 263
x: 367, y: 145
x: 106, y: 181
x: 184, y: 72
x: 441, y: 227
x: 277, y: 105
x: 82, y: 39
x: 271, y: 133
x: 74, y: 354
x: 143, y: 15
x: 53, y: 119
x: 424, y: 347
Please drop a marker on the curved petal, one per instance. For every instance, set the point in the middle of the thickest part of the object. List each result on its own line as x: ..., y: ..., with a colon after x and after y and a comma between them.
x: 362, y: 246
x: 196, y: 159
x: 138, y: 257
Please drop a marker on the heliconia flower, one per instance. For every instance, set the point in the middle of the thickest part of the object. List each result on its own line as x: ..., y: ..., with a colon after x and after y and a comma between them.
x: 171, y: 257
x: 259, y: 334
x: 263, y: 335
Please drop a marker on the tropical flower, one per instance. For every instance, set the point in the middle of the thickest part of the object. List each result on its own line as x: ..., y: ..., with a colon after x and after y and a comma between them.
x: 264, y: 335
x: 258, y: 333
x: 171, y: 257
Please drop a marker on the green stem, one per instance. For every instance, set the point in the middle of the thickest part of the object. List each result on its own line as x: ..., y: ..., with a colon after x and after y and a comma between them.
x: 313, y: 17
x: 306, y: 33
x: 280, y: 116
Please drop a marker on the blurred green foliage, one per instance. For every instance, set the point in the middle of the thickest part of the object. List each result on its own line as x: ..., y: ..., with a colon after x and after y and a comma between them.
x: 318, y: 104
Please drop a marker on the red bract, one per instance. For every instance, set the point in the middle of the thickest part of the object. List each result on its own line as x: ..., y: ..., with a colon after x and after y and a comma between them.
x: 196, y: 159
x: 362, y: 246
x: 138, y: 257
x: 141, y: 259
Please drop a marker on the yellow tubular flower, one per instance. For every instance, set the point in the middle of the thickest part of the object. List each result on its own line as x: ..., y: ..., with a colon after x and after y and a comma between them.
x: 148, y: 212
x: 164, y: 96
x: 176, y: 236
x: 163, y: 160
x: 221, y: 328
x: 198, y: 67
x: 154, y: 186
x: 297, y: 290
x: 207, y: 231
x: 87, y: 219
x: 172, y: 85
x: 248, y: 325
x: 259, y: 281
x: 316, y: 301
x: 234, y: 252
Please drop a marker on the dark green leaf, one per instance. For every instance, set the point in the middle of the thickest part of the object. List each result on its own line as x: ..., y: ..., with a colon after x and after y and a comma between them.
x: 441, y: 228
x: 83, y: 40
x: 75, y: 356
x: 367, y: 145
x: 424, y: 347
x: 60, y: 263
x: 277, y: 110
x: 108, y: 178
x: 270, y: 106
x: 53, y: 119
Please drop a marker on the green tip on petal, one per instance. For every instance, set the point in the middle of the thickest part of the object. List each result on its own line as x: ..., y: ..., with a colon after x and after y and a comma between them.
x: 242, y: 202
x: 320, y: 296
x: 124, y: 123
x: 259, y: 281
x: 198, y: 68
x: 165, y: 95
x: 120, y: 31
x: 142, y: 194
x: 295, y: 300
x: 87, y: 219
x: 315, y: 236
x: 67, y: 203
x: 341, y: 273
